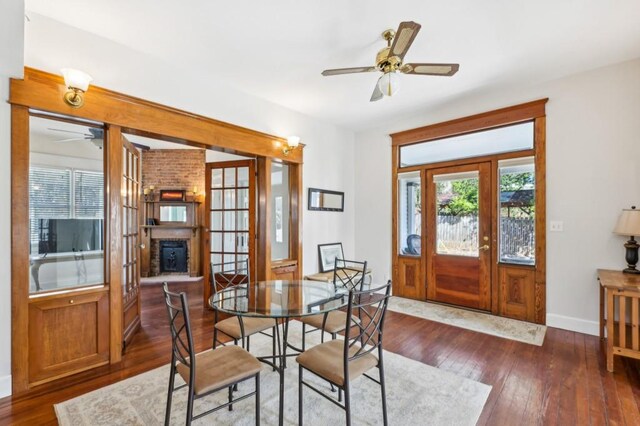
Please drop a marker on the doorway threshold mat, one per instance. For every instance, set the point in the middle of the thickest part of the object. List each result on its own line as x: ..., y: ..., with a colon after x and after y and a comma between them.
x: 520, y: 331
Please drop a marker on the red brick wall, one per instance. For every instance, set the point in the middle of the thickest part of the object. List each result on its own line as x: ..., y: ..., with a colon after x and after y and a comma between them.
x: 173, y: 169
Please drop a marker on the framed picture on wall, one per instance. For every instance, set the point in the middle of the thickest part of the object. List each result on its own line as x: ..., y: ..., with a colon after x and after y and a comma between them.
x: 172, y: 195
x: 327, y: 253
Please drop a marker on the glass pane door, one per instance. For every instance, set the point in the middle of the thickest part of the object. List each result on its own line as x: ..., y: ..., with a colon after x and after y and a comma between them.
x: 457, y: 213
x: 230, y: 213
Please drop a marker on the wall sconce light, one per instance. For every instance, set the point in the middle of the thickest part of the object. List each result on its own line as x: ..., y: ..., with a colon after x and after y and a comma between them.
x: 292, y: 143
x: 77, y: 82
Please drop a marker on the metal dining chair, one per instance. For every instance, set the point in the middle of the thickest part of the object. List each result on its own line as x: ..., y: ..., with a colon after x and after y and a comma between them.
x: 340, y: 362
x: 349, y: 274
x: 209, y: 371
x: 227, y: 275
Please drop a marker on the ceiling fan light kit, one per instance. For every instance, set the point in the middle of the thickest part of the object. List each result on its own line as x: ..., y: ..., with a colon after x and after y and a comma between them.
x: 389, y: 61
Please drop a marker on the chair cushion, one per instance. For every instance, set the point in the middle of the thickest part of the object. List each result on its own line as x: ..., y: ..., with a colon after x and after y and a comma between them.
x: 336, y: 321
x: 231, y: 326
x: 327, y: 361
x: 218, y: 368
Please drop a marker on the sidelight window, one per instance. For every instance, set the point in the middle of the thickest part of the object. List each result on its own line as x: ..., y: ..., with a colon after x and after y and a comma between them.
x: 409, y: 213
x: 517, y: 211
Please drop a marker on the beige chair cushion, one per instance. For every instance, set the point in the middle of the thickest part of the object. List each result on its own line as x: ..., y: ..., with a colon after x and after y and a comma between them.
x: 231, y: 326
x: 335, y: 321
x: 218, y: 368
x: 327, y: 361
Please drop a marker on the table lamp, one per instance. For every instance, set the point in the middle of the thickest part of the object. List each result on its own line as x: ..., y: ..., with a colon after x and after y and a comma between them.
x: 629, y: 226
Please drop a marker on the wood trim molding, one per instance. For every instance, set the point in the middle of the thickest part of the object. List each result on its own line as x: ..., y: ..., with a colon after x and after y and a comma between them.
x: 114, y: 235
x: 19, y: 248
x: 531, y: 111
x: 473, y: 123
x: 44, y: 91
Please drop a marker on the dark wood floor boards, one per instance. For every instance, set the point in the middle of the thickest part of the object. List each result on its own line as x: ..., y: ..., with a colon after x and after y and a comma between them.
x: 564, y: 382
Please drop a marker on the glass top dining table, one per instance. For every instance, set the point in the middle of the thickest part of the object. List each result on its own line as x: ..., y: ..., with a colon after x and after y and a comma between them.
x: 280, y: 300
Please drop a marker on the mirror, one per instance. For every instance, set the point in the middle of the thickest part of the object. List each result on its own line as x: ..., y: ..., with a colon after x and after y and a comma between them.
x: 173, y: 214
x: 323, y: 199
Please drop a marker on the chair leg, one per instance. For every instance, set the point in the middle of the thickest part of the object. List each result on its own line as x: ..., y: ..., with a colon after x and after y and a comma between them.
x: 189, y: 406
x: 300, y: 386
x: 172, y: 377
x: 347, y: 403
x: 231, y: 397
x: 248, y: 343
x: 304, y: 326
x: 258, y: 399
x: 215, y: 337
x: 334, y: 336
x: 383, y: 390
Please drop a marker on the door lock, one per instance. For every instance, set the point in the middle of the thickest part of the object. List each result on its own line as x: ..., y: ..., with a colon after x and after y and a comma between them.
x: 484, y: 247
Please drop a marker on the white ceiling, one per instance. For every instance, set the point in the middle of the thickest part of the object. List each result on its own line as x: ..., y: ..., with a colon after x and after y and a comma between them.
x: 276, y: 49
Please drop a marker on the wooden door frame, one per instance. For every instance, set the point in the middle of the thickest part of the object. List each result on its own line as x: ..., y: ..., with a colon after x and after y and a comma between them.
x: 530, y: 111
x: 119, y: 113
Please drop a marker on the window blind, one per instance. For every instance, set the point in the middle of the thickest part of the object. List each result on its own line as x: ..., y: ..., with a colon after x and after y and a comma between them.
x: 88, y: 194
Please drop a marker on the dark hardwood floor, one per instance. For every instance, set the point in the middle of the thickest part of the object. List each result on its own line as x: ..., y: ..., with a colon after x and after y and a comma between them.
x: 564, y: 382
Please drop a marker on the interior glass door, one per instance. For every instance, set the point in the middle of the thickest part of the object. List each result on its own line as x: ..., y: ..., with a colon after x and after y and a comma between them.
x: 130, y: 195
x: 230, y: 216
x: 459, y: 213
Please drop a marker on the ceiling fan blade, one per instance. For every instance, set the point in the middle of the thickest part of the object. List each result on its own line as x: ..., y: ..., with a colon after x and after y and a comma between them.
x: 71, y: 140
x: 405, y: 35
x: 377, y: 94
x: 339, y: 71
x: 68, y: 131
x: 446, y: 70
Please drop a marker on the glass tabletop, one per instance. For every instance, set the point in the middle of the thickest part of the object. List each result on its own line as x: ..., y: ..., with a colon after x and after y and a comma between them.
x: 280, y: 298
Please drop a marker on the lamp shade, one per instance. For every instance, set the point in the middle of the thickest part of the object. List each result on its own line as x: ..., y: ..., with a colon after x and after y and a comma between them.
x: 628, y: 223
x: 389, y: 83
x: 76, y: 79
x: 293, y: 141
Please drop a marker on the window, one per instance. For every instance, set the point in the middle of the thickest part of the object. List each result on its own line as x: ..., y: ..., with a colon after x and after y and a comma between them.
x: 409, y: 213
x: 62, y: 193
x: 457, y: 213
x: 517, y: 211
x: 517, y: 137
x: 280, y: 218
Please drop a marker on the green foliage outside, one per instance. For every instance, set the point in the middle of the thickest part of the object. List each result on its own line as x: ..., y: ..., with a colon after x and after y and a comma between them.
x: 465, y: 194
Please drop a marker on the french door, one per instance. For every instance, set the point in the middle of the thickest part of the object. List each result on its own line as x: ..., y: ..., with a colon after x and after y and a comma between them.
x: 458, y: 205
x: 229, y: 217
x: 130, y: 195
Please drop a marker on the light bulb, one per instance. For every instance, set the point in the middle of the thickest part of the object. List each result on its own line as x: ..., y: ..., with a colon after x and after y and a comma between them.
x: 389, y: 83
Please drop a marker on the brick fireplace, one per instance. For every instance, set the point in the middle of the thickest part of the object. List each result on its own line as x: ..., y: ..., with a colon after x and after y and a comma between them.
x: 172, y: 248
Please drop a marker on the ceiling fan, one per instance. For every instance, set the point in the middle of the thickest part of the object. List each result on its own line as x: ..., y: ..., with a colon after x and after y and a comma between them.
x: 389, y: 62
x: 95, y: 135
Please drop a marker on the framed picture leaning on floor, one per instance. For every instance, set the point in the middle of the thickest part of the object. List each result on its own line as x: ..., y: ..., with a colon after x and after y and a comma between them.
x: 327, y: 253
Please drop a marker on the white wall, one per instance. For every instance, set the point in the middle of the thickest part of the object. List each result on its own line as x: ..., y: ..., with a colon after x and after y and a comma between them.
x: 593, y: 149
x: 11, y: 63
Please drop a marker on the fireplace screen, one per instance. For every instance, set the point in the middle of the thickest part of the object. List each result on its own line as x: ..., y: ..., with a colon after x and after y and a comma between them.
x: 173, y: 256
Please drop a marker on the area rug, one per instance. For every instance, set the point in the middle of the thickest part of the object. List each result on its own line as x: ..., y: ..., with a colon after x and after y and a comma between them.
x: 417, y: 394
x: 521, y: 331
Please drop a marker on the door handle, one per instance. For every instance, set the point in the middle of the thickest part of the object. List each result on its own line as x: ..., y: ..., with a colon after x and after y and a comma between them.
x: 484, y: 247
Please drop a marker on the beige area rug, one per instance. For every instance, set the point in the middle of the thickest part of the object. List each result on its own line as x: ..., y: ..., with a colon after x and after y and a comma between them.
x: 521, y: 331
x: 417, y: 394
x: 169, y: 279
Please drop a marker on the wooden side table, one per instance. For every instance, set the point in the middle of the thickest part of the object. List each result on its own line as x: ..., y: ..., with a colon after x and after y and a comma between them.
x: 619, y: 290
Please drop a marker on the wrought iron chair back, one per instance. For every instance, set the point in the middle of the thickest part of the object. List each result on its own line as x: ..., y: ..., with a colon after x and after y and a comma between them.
x: 349, y: 274
x: 181, y: 339
x: 229, y: 274
x: 367, y: 333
